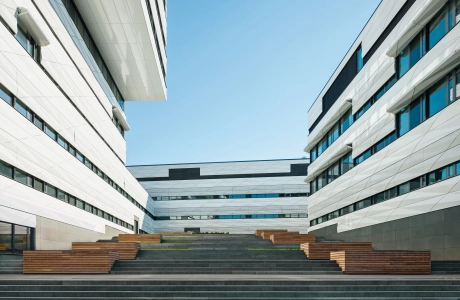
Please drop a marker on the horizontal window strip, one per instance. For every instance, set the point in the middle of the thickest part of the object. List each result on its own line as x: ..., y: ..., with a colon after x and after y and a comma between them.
x: 25, y: 178
x: 230, y: 196
x: 441, y: 24
x: 416, y: 183
x: 430, y: 102
x: 30, y: 115
x: 226, y: 217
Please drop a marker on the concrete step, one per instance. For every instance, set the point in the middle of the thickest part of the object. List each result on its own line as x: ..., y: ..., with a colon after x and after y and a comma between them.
x: 231, y: 294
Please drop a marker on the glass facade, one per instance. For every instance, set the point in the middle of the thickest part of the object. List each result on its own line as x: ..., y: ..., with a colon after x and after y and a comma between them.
x: 211, y: 217
x: 15, y: 238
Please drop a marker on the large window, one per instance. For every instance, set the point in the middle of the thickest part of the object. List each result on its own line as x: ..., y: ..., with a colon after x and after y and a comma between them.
x: 427, y: 104
x: 26, y: 40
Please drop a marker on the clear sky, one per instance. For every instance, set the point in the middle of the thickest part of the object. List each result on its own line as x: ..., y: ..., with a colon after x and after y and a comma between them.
x: 241, y: 76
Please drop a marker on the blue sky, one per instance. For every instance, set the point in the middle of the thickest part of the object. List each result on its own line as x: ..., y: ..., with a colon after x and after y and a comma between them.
x: 241, y: 77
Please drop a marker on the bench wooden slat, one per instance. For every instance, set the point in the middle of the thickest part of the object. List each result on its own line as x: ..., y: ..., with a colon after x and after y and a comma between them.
x: 140, y: 238
x: 322, y: 250
x: 292, y: 238
x: 68, y: 261
x: 260, y: 231
x: 383, y: 262
x: 126, y: 250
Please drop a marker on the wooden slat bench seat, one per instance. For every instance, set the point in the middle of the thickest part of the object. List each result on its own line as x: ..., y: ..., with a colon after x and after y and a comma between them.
x: 292, y: 238
x: 383, y: 262
x: 68, y: 261
x: 140, y: 238
x: 174, y: 232
x: 260, y: 231
x: 322, y: 250
x: 126, y: 250
x: 266, y: 234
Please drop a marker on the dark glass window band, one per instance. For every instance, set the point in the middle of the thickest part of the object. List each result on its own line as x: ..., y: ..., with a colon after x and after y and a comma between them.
x: 226, y: 217
x: 25, y: 178
x: 231, y: 196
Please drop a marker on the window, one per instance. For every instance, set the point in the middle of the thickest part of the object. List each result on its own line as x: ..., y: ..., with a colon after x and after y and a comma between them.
x: 404, y: 188
x: 50, y: 132
x: 437, y: 175
x: 22, y: 109
x: 62, y: 196
x: 38, y: 122
x: 72, y: 201
x: 333, y: 134
x: 322, y: 146
x: 403, y: 121
x: 50, y: 190
x: 6, y: 170
x: 38, y: 185
x: 313, y: 154
x: 6, y: 95
x: 22, y: 177
x: 72, y: 150
x: 359, y: 58
x: 62, y: 142
x: 346, y: 121
x: 410, y: 55
x: 437, y: 98
x: 28, y: 43
x: 80, y: 204
x: 437, y: 28
x: 347, y: 163
x: 80, y: 156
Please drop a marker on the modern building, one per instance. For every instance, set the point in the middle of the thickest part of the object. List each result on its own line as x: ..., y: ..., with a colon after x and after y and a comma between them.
x: 384, y: 134
x: 234, y: 197
x: 66, y: 69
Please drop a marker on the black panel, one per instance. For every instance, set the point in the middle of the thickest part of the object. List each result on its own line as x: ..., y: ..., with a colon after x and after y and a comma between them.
x: 184, y: 173
x: 388, y: 29
x: 349, y: 71
x: 194, y: 173
x: 299, y: 169
x: 336, y: 89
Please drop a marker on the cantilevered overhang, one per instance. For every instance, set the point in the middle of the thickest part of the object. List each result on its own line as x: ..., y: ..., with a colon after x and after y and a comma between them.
x: 123, y: 34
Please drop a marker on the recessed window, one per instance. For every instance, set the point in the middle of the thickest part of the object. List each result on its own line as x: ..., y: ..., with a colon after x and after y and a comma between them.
x: 23, y: 177
x: 22, y: 109
x: 437, y: 28
x: 50, y: 190
x: 61, y: 195
x: 38, y: 185
x: 80, y: 156
x: 6, y: 95
x: 6, y: 170
x: 50, y: 132
x: 62, y: 142
x: 38, y: 122
x: 26, y: 40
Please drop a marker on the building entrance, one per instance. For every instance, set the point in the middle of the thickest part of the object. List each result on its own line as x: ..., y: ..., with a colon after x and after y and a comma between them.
x: 15, y: 238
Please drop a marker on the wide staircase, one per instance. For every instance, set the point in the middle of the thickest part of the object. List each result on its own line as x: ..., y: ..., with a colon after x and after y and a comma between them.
x: 222, y: 254
x: 10, y: 264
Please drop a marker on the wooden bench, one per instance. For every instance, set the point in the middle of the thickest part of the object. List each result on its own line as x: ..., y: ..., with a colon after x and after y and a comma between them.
x: 2, y: 247
x: 323, y: 250
x: 174, y: 233
x: 266, y: 234
x: 125, y: 250
x: 383, y: 262
x: 291, y: 238
x: 260, y: 231
x: 140, y: 238
x: 68, y: 261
